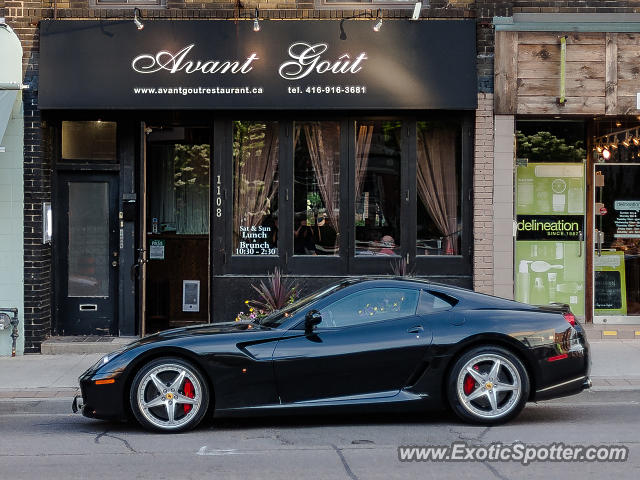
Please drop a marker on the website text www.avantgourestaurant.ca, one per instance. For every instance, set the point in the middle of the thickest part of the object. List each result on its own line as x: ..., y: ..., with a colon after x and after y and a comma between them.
x: 198, y: 90
x: 514, y: 452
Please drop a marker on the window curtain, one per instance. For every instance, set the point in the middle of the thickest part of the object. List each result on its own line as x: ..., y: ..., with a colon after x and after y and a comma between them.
x: 255, y: 169
x: 191, y: 180
x: 436, y: 181
x: 179, y: 197
x: 363, y: 146
x: 321, y: 141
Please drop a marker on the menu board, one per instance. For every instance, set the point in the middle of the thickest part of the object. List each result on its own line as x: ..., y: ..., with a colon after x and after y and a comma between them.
x: 610, y: 286
x: 608, y: 291
x: 627, y: 218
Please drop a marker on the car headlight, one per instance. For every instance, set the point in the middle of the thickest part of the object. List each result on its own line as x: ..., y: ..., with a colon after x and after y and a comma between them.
x: 108, y: 357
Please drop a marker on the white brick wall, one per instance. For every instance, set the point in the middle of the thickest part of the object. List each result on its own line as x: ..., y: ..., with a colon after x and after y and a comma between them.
x: 493, y: 200
x: 504, y: 128
x: 11, y: 224
x: 483, y: 253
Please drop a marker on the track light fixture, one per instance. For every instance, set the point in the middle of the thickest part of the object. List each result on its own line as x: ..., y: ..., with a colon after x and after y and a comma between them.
x: 378, y: 24
x: 606, y: 153
x: 136, y: 18
x: 626, y: 142
x: 256, y: 23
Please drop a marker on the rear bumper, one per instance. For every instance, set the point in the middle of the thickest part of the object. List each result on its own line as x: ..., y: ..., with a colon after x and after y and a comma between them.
x: 563, y: 389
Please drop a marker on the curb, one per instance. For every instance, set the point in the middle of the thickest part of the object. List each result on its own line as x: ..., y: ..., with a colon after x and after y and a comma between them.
x: 39, y: 393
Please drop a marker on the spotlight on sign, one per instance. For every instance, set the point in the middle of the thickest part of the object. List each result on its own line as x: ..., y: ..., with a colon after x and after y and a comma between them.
x: 136, y: 18
x: 378, y: 25
x: 256, y: 23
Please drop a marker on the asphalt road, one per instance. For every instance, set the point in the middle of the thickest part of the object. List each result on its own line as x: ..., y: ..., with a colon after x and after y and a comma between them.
x: 39, y: 440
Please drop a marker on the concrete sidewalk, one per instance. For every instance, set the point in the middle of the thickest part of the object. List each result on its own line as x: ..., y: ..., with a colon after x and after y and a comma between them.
x: 615, y: 366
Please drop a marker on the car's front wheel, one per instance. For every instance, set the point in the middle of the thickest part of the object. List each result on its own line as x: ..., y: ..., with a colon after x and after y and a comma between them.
x: 169, y: 395
x: 488, y: 385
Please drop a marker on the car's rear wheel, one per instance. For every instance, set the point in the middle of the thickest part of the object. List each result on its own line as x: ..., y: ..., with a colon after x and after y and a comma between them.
x: 169, y: 395
x: 488, y: 385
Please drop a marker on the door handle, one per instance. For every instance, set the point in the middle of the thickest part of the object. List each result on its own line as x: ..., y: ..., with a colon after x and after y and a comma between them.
x: 580, y: 240
x: 416, y: 329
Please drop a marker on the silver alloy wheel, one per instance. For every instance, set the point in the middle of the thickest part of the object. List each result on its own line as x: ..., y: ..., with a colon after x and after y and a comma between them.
x: 496, y: 386
x: 162, y: 390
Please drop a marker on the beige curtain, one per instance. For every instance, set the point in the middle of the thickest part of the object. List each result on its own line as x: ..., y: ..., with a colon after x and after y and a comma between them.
x: 255, y: 172
x: 323, y: 143
x: 363, y: 146
x: 436, y: 181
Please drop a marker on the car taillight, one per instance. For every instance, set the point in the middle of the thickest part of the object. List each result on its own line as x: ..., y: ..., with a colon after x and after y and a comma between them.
x: 571, y: 318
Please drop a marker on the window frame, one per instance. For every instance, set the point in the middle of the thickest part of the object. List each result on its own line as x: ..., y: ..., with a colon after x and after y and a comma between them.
x: 372, y: 5
x: 377, y: 264
x: 128, y: 4
x: 453, y: 265
x: 250, y: 264
x: 320, y: 264
x: 345, y: 263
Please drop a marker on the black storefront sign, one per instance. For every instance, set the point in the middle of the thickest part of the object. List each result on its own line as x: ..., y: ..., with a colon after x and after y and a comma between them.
x: 549, y: 227
x: 286, y: 65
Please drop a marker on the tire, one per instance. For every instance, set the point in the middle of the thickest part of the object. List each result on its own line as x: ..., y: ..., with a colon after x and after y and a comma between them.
x: 169, y: 395
x: 488, y: 385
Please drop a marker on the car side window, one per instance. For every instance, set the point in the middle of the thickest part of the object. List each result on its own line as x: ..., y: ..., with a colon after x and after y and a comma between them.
x: 371, y: 305
x: 430, y: 303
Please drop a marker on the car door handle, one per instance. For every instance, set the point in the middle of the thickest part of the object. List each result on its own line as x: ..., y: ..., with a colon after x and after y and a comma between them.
x: 416, y: 329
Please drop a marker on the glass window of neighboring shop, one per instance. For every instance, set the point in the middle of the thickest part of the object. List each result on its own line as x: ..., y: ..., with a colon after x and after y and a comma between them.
x: 616, y: 217
x: 550, y: 208
x: 349, y: 196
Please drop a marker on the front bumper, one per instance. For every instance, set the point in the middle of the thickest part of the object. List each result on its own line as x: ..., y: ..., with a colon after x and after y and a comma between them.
x: 105, y: 402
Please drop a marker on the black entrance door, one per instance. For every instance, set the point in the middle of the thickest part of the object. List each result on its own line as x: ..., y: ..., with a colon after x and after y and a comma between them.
x: 87, y: 254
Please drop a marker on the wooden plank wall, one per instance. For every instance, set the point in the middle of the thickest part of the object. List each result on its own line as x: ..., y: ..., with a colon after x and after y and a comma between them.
x: 602, y: 73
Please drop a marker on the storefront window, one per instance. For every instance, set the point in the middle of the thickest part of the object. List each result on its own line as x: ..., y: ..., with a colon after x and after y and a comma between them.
x: 255, y: 188
x: 89, y: 141
x: 377, y: 187
x: 316, y: 192
x: 438, y: 177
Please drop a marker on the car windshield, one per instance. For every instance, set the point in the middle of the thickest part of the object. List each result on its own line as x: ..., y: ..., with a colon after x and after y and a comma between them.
x: 278, y: 317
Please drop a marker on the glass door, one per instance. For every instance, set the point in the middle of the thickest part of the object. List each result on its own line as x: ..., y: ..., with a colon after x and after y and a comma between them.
x: 88, y: 256
x: 176, y: 228
x: 616, y: 256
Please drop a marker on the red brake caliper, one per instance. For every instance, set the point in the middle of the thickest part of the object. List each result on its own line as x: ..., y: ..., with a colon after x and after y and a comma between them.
x: 469, y: 382
x: 190, y: 392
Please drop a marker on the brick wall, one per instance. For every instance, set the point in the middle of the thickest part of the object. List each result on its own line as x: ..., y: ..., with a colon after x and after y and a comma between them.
x: 483, y: 196
x: 23, y: 16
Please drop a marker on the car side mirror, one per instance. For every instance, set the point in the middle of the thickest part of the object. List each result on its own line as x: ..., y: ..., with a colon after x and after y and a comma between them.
x: 311, y: 319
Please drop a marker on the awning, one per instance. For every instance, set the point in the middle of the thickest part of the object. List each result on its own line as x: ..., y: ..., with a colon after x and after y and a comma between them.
x: 10, y: 74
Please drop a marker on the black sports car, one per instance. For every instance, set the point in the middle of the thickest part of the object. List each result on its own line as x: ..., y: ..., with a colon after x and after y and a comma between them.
x: 388, y: 343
